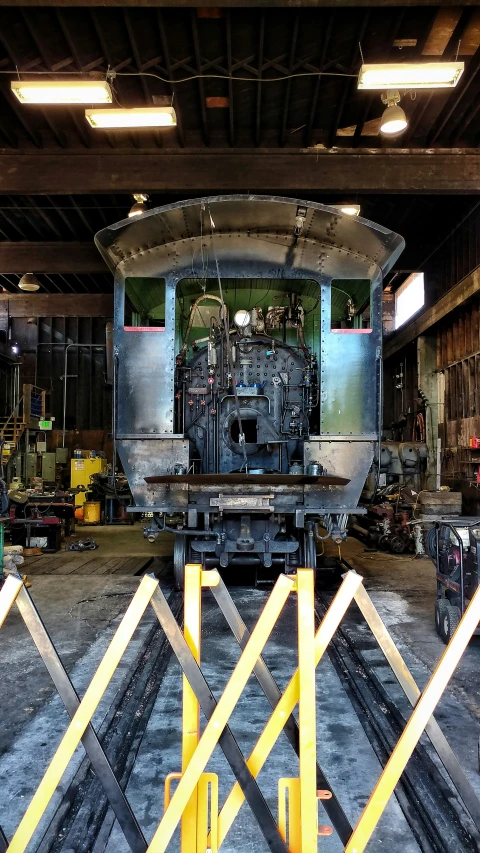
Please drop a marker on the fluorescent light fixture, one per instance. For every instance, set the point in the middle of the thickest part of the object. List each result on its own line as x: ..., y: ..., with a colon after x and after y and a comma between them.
x: 136, y: 118
x: 62, y: 92
x: 347, y: 208
x: 411, y: 75
x: 29, y: 282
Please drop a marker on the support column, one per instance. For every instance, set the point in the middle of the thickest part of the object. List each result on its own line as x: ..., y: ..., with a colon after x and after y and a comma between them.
x: 428, y: 383
x: 191, y: 708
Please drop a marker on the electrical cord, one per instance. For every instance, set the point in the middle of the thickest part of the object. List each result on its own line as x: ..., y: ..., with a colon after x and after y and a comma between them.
x: 110, y: 75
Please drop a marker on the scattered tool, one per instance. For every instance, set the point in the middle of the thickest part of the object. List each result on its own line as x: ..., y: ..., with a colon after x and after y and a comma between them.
x: 83, y: 545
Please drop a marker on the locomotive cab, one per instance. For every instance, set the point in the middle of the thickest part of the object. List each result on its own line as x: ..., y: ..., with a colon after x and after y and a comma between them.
x: 247, y: 373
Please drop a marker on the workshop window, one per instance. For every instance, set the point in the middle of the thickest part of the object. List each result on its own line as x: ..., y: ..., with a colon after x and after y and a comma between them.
x: 409, y: 298
x: 350, y: 305
x: 144, y: 304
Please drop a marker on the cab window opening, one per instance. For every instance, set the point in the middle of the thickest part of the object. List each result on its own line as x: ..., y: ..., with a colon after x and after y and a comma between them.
x: 285, y: 310
x: 144, y: 303
x: 350, y: 305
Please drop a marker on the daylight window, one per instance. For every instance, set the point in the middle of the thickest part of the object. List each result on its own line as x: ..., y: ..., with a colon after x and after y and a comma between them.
x: 409, y: 298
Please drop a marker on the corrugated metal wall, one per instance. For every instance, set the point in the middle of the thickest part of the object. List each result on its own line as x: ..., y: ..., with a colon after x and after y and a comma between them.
x: 43, y: 342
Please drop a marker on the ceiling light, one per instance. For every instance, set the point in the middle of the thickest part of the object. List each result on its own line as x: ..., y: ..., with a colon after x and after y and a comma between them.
x: 29, y: 282
x: 411, y: 75
x: 15, y: 349
x: 136, y: 118
x: 394, y: 119
x: 58, y: 92
x: 139, y: 206
x: 242, y: 319
x: 347, y: 209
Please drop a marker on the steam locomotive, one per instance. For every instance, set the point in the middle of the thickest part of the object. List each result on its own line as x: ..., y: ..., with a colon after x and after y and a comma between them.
x: 247, y: 373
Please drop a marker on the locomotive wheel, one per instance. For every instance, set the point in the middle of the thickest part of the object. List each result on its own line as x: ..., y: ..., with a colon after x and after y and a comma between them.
x: 451, y: 618
x: 179, y: 560
x: 440, y: 606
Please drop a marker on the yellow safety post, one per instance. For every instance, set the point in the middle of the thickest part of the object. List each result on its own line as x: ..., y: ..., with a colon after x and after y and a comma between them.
x: 289, y: 699
x: 221, y: 714
x: 83, y: 715
x: 306, y: 707
x: 413, y: 730
x: 289, y: 804
x: 168, y: 788
x: 8, y: 594
x: 207, y: 827
x: 191, y: 709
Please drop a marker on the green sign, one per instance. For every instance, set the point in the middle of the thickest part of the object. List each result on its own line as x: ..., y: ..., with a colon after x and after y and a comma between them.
x: 46, y: 424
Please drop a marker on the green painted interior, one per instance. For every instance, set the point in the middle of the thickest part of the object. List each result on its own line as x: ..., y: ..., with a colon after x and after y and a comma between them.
x: 359, y: 292
x: 145, y: 302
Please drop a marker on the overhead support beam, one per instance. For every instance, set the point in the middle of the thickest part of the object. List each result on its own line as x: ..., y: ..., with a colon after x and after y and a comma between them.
x: 233, y: 3
x: 462, y: 291
x: 342, y: 170
x: 61, y: 257
x: 56, y: 305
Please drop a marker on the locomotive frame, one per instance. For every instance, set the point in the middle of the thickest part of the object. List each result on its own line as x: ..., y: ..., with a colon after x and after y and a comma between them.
x: 251, y: 238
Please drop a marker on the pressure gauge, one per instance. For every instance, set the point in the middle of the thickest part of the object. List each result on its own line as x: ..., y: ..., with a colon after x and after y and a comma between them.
x: 242, y: 319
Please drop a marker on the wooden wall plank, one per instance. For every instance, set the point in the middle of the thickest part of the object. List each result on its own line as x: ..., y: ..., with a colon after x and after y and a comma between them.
x: 468, y: 332
x: 471, y: 385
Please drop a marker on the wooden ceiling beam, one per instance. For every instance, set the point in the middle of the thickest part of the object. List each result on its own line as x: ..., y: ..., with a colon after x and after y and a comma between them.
x: 54, y: 257
x: 55, y: 305
x: 241, y: 170
x: 442, y: 30
x: 194, y: 4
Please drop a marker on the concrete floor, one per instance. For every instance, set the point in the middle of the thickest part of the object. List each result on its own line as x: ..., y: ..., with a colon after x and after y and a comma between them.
x: 82, y: 612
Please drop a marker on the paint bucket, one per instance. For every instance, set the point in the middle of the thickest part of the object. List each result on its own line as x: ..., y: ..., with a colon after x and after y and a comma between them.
x: 91, y: 512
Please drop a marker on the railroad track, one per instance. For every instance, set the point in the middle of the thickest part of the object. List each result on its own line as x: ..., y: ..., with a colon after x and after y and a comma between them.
x: 438, y: 820
x: 83, y: 821
x: 435, y: 813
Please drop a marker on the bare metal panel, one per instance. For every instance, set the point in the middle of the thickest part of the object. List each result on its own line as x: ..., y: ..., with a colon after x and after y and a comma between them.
x: 255, y: 227
x: 252, y: 237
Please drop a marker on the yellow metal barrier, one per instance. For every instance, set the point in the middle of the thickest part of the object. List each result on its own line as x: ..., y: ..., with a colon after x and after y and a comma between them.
x: 194, y: 804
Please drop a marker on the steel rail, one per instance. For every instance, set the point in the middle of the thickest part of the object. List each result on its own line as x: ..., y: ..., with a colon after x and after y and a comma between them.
x: 226, y: 739
x: 274, y: 694
x: 85, y: 803
x: 423, y: 794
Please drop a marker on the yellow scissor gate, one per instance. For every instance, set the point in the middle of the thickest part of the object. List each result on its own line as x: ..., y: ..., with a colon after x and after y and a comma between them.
x: 194, y: 804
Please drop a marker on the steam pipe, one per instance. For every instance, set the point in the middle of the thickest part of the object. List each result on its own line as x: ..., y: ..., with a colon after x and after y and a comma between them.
x: 109, y: 353
x: 190, y: 319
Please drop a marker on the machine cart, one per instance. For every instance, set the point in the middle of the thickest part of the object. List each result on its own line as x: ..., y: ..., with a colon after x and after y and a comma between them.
x: 454, y: 546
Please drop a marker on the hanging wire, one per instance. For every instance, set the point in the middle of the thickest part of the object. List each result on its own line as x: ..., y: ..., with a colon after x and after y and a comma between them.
x: 110, y: 75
